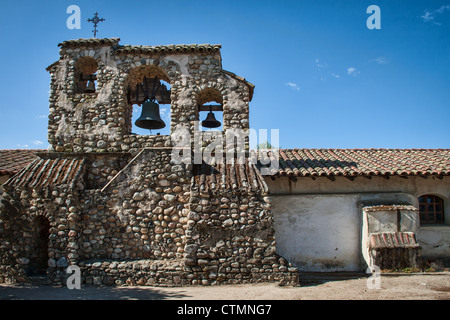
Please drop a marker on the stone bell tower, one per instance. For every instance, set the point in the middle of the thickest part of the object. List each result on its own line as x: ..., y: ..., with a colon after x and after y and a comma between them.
x: 96, y: 81
x: 117, y: 204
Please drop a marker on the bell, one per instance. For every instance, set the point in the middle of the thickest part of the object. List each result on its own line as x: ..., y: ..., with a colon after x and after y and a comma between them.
x: 150, y: 118
x: 210, y: 121
x: 90, y: 87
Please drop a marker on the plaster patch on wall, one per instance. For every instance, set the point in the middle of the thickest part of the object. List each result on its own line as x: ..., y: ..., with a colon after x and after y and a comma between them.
x: 104, y: 94
x: 105, y: 53
x: 430, y: 237
x: 182, y: 61
x: 64, y: 127
x: 234, y: 100
x: 184, y: 98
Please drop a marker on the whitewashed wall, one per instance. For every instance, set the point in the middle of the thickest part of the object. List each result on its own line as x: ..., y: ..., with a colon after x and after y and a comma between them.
x: 318, y: 232
x: 318, y: 222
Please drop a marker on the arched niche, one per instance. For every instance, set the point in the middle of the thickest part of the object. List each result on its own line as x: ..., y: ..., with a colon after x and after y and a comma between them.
x: 147, y: 81
x: 85, y: 75
x: 210, y: 100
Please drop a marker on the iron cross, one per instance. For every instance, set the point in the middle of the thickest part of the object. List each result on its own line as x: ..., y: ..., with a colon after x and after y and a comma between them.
x: 95, y: 20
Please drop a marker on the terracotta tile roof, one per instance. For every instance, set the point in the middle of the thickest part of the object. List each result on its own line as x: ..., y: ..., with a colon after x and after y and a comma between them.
x: 362, y: 162
x: 48, y: 172
x: 89, y: 42
x: 392, y: 207
x: 243, y: 177
x: 13, y: 160
x: 171, y: 48
x: 167, y: 49
x: 384, y: 240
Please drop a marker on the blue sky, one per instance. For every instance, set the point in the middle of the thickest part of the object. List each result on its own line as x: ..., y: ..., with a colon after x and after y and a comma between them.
x: 322, y: 77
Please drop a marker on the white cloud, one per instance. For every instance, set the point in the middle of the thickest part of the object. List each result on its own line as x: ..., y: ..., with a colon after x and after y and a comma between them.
x: 429, y: 16
x: 164, y: 113
x: 37, y: 142
x: 352, y: 71
x: 380, y: 60
x: 42, y: 116
x: 335, y: 75
x: 22, y: 146
x: 293, y: 85
x: 320, y: 65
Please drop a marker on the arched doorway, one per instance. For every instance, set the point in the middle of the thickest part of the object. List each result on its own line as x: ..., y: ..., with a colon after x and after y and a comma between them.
x: 42, y: 233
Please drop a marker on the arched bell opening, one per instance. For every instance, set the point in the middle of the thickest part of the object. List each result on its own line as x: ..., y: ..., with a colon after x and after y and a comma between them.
x: 86, y: 75
x: 41, y: 234
x: 148, y: 96
x: 210, y: 110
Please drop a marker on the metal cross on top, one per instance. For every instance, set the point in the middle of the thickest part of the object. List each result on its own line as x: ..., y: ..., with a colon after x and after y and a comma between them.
x: 95, y: 20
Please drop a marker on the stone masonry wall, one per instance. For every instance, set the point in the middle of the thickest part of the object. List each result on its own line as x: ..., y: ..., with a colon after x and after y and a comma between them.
x: 231, y: 239
x: 18, y: 238
x: 153, y: 226
x: 117, y: 204
x: 101, y: 121
x: 141, y: 214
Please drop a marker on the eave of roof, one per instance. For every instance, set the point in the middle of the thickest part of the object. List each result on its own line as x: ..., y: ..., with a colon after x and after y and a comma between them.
x: 171, y: 48
x: 89, y: 42
x: 228, y: 177
x: 13, y: 160
x: 168, y: 49
x: 42, y: 173
x: 363, y: 162
x: 391, y: 240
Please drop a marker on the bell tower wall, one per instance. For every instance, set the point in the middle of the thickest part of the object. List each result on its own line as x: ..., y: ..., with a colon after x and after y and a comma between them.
x: 90, y: 108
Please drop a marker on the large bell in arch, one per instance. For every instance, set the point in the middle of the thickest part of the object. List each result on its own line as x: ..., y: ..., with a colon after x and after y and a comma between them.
x: 150, y: 118
x: 211, y: 121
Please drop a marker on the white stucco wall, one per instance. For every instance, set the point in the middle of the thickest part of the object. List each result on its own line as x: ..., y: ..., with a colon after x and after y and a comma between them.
x: 435, y: 241
x: 317, y: 232
x: 318, y: 222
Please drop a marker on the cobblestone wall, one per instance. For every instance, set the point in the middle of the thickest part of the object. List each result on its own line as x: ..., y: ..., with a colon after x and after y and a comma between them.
x: 101, y: 121
x: 119, y: 205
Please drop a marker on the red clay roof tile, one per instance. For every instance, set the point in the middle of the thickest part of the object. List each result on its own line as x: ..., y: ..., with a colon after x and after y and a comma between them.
x: 13, y: 160
x: 363, y: 162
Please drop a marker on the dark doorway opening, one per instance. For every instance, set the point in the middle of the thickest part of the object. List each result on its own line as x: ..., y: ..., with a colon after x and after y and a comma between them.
x: 42, y: 234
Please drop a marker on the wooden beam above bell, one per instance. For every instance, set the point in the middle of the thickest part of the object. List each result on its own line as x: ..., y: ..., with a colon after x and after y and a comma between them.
x: 162, y: 95
x: 217, y: 107
x: 87, y: 77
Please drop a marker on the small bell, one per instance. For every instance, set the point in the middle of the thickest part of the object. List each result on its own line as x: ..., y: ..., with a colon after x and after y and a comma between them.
x: 90, y: 87
x: 210, y: 121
